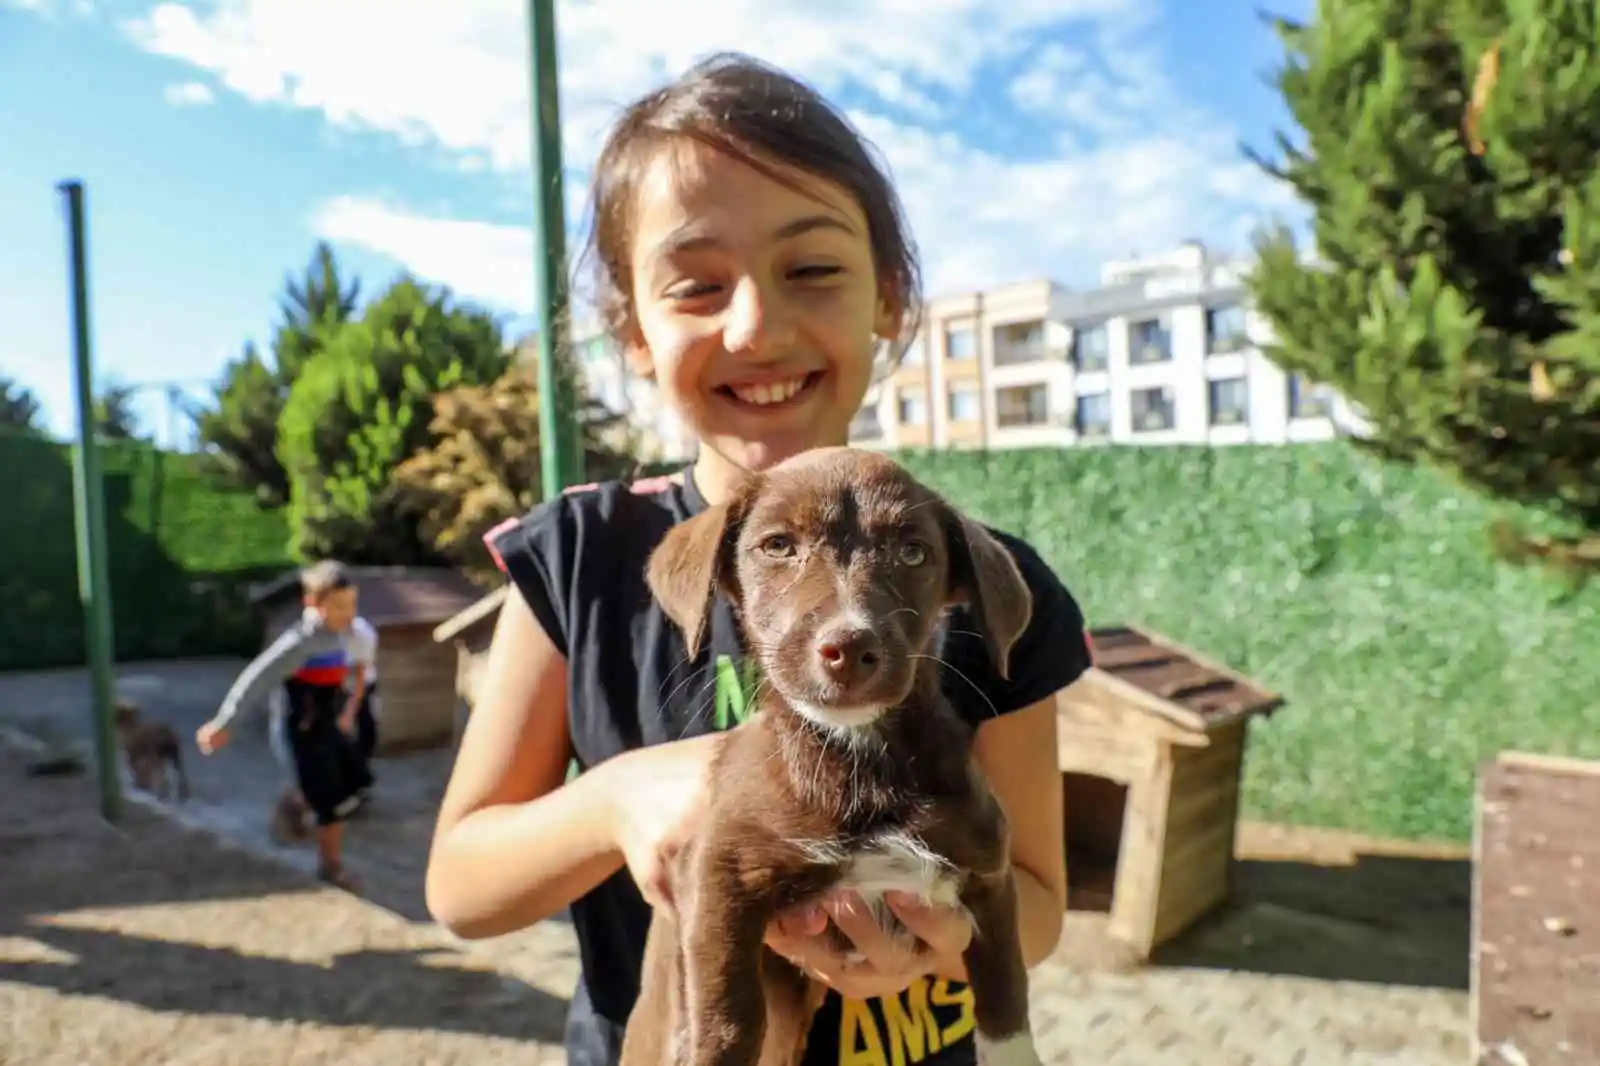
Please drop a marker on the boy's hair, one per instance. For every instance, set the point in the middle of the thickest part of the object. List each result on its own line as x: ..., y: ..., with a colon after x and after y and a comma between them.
x: 764, y: 118
x: 319, y: 579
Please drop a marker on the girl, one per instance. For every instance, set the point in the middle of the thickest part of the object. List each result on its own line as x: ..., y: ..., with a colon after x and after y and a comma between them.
x: 752, y: 260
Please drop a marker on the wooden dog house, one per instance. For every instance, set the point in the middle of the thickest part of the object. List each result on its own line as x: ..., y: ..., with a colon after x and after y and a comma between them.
x: 416, y: 677
x: 1151, y: 750
x: 467, y: 635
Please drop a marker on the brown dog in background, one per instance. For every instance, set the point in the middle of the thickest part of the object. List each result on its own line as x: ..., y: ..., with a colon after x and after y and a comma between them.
x: 151, y: 747
x: 853, y: 772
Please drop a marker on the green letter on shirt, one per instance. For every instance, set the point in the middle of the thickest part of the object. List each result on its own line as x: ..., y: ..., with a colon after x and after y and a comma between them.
x: 735, y: 686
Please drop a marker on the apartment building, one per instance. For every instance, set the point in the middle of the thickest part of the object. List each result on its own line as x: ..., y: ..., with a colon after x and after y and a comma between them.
x: 1163, y: 351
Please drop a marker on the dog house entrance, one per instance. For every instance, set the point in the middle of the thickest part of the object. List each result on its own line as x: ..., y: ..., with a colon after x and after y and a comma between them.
x: 1095, y: 810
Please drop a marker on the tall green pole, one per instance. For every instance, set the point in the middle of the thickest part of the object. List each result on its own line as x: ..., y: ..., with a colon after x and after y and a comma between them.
x: 560, y: 458
x: 94, y: 578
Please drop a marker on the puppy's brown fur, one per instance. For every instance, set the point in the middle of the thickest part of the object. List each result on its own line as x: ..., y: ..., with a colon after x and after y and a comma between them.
x: 151, y: 748
x: 854, y: 771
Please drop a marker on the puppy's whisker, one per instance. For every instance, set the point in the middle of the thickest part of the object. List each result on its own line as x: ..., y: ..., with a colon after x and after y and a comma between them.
x: 984, y: 696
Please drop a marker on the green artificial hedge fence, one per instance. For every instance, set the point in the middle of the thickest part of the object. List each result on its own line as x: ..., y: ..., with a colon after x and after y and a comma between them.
x: 1365, y: 594
x: 182, y: 553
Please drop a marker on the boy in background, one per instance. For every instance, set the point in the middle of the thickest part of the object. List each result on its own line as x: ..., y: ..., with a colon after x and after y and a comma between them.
x: 310, y: 661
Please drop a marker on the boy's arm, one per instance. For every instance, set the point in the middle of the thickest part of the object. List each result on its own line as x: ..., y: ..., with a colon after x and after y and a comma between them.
x: 265, y: 672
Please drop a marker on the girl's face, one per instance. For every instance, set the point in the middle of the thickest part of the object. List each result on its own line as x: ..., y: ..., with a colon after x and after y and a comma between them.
x: 757, y: 307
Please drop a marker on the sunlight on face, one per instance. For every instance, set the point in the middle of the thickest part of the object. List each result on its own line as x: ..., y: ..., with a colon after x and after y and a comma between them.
x: 338, y: 609
x: 758, y: 308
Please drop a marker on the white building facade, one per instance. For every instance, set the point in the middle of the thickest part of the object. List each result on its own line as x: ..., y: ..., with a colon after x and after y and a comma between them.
x: 1164, y: 351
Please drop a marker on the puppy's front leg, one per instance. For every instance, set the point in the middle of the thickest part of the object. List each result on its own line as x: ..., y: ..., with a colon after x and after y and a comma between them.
x: 722, y: 946
x: 996, y: 972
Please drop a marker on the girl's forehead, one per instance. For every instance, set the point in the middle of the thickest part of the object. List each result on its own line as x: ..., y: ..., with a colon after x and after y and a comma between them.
x: 692, y: 191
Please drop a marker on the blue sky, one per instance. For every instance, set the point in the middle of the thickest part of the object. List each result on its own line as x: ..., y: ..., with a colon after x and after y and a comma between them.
x: 219, y: 139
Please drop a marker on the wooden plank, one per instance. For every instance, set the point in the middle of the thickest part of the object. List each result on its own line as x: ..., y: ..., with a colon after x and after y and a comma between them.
x: 1555, y: 764
x: 1534, y: 976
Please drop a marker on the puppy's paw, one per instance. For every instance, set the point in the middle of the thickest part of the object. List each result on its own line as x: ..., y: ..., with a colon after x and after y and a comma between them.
x: 1015, y: 1050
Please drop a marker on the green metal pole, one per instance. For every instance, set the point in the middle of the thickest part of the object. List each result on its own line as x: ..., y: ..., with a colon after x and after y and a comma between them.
x: 561, y: 462
x: 94, y: 578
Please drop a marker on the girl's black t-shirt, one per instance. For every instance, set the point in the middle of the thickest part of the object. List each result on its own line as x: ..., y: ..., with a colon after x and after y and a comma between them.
x: 579, y: 561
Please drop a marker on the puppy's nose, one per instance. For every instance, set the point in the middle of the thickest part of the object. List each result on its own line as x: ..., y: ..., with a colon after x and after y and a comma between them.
x: 849, y: 656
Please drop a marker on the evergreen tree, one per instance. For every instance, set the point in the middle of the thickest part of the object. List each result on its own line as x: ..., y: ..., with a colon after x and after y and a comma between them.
x: 361, y: 406
x: 239, y: 433
x: 1450, y: 157
x: 19, y: 407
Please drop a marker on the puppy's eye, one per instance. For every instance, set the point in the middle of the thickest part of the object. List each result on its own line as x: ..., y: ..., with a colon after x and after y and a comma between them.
x: 913, y: 553
x: 778, y: 546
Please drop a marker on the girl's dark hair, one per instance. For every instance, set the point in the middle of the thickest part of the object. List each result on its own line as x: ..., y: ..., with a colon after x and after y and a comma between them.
x: 766, y: 119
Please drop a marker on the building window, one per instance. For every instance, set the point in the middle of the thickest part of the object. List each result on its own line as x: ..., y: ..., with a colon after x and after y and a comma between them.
x: 1093, y: 416
x: 1149, y: 341
x: 1091, y: 348
x: 1229, y: 400
x: 1019, y: 342
x: 1308, y: 399
x: 1226, y: 329
x: 1153, y: 409
x: 913, y: 355
x: 960, y: 344
x: 965, y: 405
x: 913, y: 411
x: 1022, y: 405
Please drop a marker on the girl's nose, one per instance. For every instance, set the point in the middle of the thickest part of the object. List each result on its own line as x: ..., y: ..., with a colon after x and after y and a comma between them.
x: 756, y: 322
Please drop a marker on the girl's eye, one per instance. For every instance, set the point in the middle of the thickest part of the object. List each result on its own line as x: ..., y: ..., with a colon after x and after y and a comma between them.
x: 913, y: 553
x: 778, y: 546
x: 815, y: 271
x: 689, y: 290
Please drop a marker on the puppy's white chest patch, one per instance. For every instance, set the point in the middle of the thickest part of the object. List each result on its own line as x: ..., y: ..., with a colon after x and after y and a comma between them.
x: 892, y: 862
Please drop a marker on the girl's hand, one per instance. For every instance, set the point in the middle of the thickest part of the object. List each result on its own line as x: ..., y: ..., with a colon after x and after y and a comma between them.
x: 885, y: 968
x: 661, y: 798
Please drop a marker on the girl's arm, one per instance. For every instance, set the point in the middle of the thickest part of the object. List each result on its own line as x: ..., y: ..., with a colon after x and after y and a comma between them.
x: 513, y: 844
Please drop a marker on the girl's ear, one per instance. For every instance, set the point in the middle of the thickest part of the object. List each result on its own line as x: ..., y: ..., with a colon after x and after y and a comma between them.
x: 891, y: 315
x: 637, y: 354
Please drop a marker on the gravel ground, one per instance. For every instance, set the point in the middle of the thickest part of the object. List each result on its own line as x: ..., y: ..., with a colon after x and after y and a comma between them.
x: 151, y: 943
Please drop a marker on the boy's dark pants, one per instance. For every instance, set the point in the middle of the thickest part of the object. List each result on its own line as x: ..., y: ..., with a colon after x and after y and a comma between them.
x: 327, y: 764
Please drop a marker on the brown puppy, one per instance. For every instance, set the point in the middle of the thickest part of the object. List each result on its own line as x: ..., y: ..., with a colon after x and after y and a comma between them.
x: 151, y: 747
x: 854, y: 771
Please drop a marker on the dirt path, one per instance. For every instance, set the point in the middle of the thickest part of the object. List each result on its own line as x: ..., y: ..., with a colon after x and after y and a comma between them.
x: 149, y: 943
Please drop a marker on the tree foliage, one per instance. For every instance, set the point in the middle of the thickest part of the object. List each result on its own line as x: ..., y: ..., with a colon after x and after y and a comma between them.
x: 19, y: 407
x: 1450, y: 157
x: 484, y: 464
x: 360, y: 406
x: 239, y: 433
x: 114, y: 416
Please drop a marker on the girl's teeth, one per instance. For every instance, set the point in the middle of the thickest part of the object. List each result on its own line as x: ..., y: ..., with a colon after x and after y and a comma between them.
x: 765, y: 394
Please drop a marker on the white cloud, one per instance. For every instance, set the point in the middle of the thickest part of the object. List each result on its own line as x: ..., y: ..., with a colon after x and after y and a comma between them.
x: 188, y: 94
x: 1131, y: 163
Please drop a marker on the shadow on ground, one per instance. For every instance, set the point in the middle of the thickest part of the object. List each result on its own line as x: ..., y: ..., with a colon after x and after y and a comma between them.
x: 1374, y: 918
x: 387, y: 989
x: 171, y: 920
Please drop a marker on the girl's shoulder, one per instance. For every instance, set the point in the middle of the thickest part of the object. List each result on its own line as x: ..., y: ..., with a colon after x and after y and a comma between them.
x: 587, y: 546
x: 609, y: 513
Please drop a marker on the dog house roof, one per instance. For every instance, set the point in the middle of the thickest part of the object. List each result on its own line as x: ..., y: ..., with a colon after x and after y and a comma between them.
x: 1175, y: 681
x: 485, y: 609
x: 391, y: 595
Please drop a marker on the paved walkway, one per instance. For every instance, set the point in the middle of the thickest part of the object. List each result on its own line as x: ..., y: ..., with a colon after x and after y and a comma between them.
x: 1295, y: 975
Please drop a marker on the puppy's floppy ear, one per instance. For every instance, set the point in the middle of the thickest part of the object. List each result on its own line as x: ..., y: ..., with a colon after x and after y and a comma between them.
x: 691, y: 563
x: 984, y: 575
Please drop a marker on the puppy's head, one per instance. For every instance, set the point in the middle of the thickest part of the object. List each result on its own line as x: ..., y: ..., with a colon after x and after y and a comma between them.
x: 840, y: 565
x: 125, y: 715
